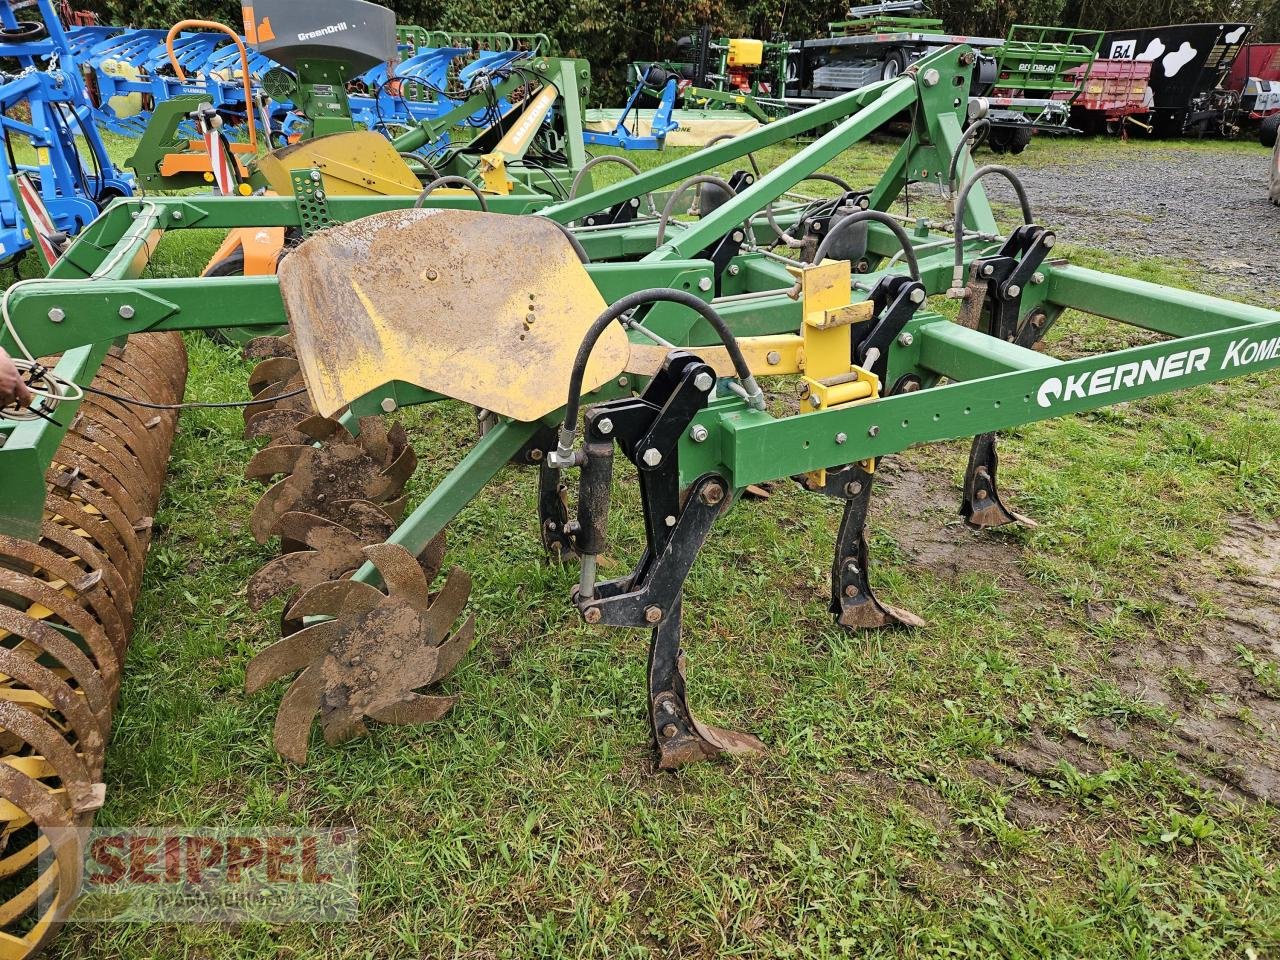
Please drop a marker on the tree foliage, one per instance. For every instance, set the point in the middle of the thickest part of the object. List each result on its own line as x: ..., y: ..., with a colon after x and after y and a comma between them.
x: 611, y: 33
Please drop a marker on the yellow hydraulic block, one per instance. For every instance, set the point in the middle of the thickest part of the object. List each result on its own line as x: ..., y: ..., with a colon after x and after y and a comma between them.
x: 354, y: 164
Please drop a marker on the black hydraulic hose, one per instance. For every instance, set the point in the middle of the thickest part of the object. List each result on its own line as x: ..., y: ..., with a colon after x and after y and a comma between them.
x: 782, y: 235
x: 574, y: 242
x: 962, y: 203
x: 595, y: 162
x: 908, y: 250
x: 680, y: 191
x: 630, y: 302
x: 414, y: 158
x: 451, y: 181
x: 751, y: 157
x: 979, y: 130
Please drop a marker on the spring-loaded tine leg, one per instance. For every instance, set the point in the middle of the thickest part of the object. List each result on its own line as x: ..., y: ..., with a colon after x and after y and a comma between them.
x: 982, y: 506
x: 553, y: 514
x: 678, y: 734
x: 852, y: 599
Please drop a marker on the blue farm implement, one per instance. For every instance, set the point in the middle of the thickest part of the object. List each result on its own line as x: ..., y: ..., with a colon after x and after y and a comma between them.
x: 55, y: 174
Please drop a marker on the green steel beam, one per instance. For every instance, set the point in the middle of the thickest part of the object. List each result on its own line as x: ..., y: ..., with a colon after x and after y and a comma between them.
x: 759, y: 448
x: 459, y: 487
x: 678, y: 170
x: 1167, y: 310
x: 896, y: 97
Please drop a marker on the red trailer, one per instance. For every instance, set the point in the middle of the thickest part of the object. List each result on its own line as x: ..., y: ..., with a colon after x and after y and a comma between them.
x: 1261, y: 60
x: 1112, y: 93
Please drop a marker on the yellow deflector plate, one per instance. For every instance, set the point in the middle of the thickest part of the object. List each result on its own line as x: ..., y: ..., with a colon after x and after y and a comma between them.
x: 482, y: 307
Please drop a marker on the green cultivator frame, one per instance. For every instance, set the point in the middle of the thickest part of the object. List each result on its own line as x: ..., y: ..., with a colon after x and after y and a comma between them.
x: 658, y: 331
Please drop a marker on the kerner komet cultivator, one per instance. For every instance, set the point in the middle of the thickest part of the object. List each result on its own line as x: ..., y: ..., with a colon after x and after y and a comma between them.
x: 592, y: 330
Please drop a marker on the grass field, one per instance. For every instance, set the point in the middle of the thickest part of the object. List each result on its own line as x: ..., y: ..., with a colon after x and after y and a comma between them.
x: 1076, y: 758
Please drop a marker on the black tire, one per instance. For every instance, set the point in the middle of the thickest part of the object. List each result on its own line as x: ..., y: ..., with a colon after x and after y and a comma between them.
x: 232, y: 265
x: 999, y: 139
x: 1019, y: 140
x: 27, y: 31
x: 1269, y: 130
x: 893, y: 65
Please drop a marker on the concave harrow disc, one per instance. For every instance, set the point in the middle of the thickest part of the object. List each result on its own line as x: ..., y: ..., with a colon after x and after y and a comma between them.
x: 66, y: 611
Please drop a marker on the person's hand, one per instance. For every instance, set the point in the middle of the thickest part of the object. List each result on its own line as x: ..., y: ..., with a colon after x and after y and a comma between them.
x: 12, y: 387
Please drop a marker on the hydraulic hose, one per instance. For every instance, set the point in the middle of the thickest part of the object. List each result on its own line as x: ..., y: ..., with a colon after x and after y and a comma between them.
x: 977, y: 132
x: 574, y: 242
x: 962, y: 204
x: 568, y: 430
x: 781, y: 234
x: 680, y: 191
x: 908, y: 249
x: 451, y: 181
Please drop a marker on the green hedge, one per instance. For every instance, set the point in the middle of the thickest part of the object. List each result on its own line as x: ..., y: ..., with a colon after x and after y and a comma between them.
x: 610, y: 33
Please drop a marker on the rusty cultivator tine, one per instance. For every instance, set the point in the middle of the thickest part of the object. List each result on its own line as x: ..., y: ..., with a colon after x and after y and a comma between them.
x: 80, y: 578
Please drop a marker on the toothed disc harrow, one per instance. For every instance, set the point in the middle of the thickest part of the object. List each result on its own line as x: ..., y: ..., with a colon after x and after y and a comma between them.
x: 79, y: 579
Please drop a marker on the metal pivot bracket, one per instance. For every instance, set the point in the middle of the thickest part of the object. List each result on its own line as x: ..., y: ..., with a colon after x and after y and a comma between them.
x: 816, y: 227
x: 852, y: 600
x: 625, y: 211
x: 1004, y: 278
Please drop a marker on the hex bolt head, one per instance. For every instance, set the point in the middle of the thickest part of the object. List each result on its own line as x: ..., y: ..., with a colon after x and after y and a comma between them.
x: 651, y: 457
x: 917, y: 295
x: 905, y: 339
x: 734, y: 269
x: 127, y: 312
x: 704, y: 381
x: 988, y: 270
x: 931, y: 77
x: 853, y: 489
x: 623, y: 382
x: 773, y: 358
x: 1015, y: 290
x: 670, y: 730
x: 842, y: 439
x: 1049, y: 241
x: 699, y: 433
x: 873, y: 431
x: 315, y: 176
x: 669, y: 520
x: 604, y: 425
x: 737, y: 236
x: 57, y: 315
x: 815, y: 401
x: 388, y: 405
x: 712, y: 494
x: 592, y: 615
x: 851, y: 591
x: 177, y: 214
x: 652, y: 614
x: 704, y: 284
x: 1037, y: 278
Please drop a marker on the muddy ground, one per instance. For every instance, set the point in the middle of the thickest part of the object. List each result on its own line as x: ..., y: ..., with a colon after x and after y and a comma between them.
x: 1200, y: 205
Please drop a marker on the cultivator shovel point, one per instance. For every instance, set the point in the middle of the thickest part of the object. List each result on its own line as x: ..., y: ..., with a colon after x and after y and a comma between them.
x: 66, y: 611
x: 371, y: 656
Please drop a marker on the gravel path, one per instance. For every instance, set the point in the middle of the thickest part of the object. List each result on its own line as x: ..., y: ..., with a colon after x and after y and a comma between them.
x: 1205, y: 206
